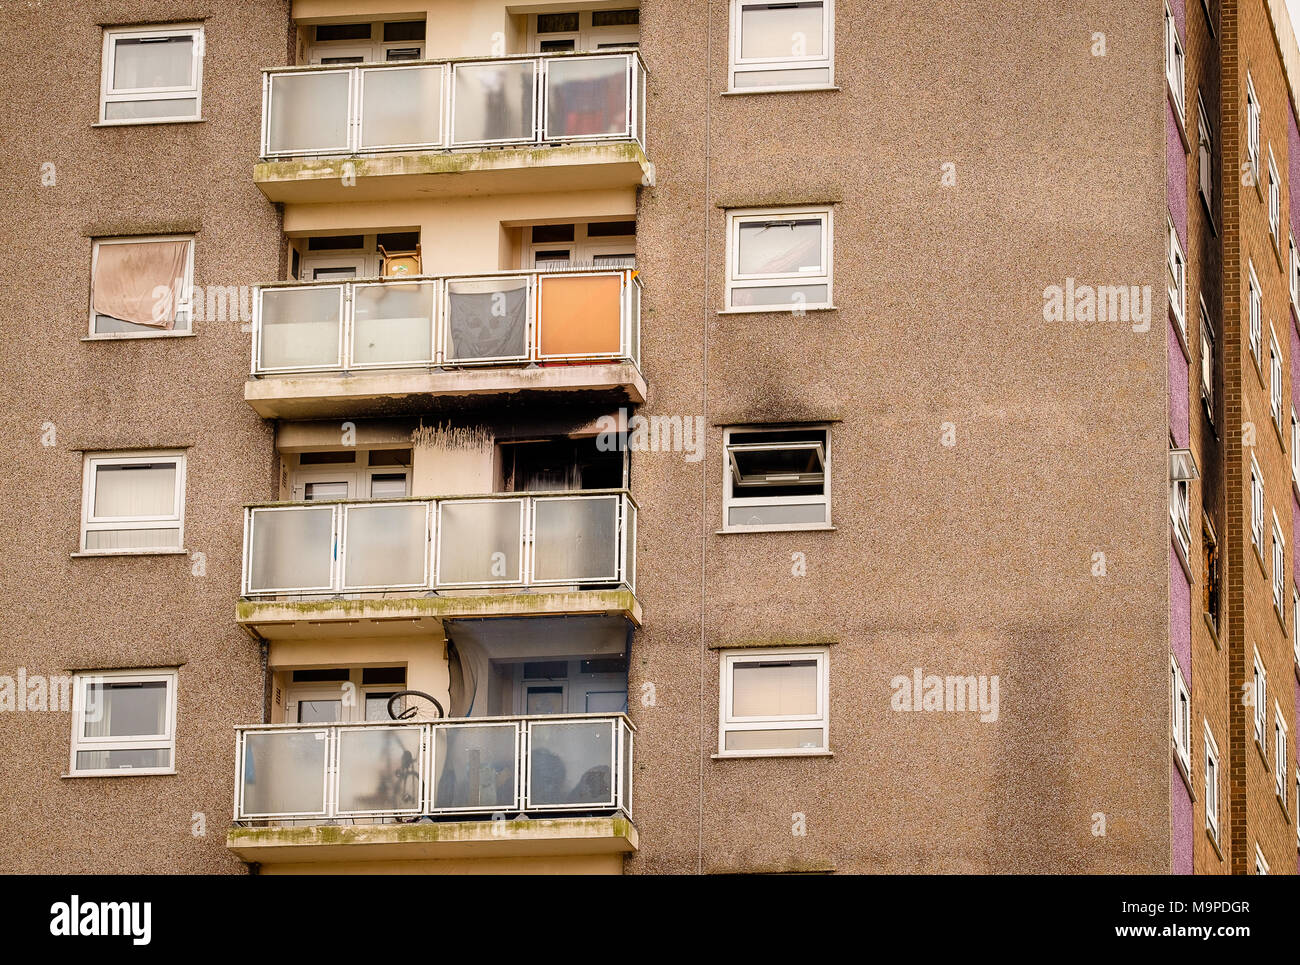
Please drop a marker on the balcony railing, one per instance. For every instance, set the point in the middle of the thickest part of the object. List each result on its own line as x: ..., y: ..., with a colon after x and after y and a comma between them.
x: 414, y: 546
x: 303, y: 774
x: 453, y: 105
x: 454, y: 321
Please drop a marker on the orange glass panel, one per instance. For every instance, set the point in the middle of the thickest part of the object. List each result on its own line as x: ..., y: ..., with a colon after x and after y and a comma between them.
x: 579, y: 315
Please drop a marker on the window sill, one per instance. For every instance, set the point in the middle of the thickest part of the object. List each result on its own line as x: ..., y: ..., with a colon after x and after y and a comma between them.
x: 738, y: 91
x: 1213, y: 835
x: 742, y: 755
x: 136, y: 552
x: 1209, y: 211
x: 1180, y: 114
x: 1214, y: 632
x: 148, y: 122
x: 807, y: 528
x: 1263, y: 752
x: 1184, y: 768
x: 1280, y: 797
x: 126, y: 772
x: 779, y: 310
x: 1180, y: 330
x: 130, y: 336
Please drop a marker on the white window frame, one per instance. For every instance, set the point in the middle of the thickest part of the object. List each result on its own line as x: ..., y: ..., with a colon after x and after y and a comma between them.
x: 735, y: 280
x: 1177, y: 281
x: 1295, y: 622
x: 1275, y: 379
x: 1293, y: 265
x: 1253, y: 118
x: 1255, y: 314
x: 184, y: 305
x: 1295, y: 449
x: 79, y: 743
x: 727, y: 722
x: 1175, y: 60
x: 1207, y: 362
x: 729, y: 501
x: 588, y: 37
x: 1280, y: 756
x: 1205, y: 154
x: 740, y: 65
x: 192, y: 91
x: 1212, y: 785
x: 1279, y: 569
x: 1180, y: 514
x: 1261, y: 866
x: 1260, y: 684
x: 1274, y: 200
x: 1180, y: 718
x: 1256, y: 506
x: 372, y: 51
x: 91, y: 463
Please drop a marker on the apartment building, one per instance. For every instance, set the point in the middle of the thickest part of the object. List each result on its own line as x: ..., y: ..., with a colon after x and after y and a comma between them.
x: 485, y: 436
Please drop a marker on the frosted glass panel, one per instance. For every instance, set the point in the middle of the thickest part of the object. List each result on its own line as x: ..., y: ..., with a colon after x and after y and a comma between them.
x: 385, y: 546
x: 570, y: 763
x: 132, y: 539
x: 487, y: 318
x: 284, y: 773
x: 379, y: 770
x: 291, y: 549
x: 805, y: 77
x: 140, y: 64
x: 774, y: 689
x: 392, y: 323
x: 475, y: 767
x: 780, y: 247
x: 586, y: 97
x: 576, y: 539
x: 300, y: 327
x: 142, y: 110
x: 494, y: 102
x: 479, y: 542
x: 401, y: 106
x: 781, y: 30
x: 137, y: 709
x: 776, y: 515
x: 775, y: 740
x: 140, y: 489
x: 309, y: 112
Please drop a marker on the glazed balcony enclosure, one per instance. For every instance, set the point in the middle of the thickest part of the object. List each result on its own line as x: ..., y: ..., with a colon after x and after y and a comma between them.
x: 336, y: 349
x: 452, y: 127
x: 423, y: 561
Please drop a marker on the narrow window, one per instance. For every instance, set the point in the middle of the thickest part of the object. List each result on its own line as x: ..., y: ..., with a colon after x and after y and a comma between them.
x: 1181, y: 717
x: 1174, y: 72
x: 1207, y: 362
x: 1256, y: 317
x: 1211, y: 784
x: 1177, y: 281
x: 1261, y: 699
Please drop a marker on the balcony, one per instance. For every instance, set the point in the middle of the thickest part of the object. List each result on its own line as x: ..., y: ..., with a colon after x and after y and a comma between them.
x: 353, y: 568
x: 442, y: 128
x: 323, y: 350
x: 522, y: 788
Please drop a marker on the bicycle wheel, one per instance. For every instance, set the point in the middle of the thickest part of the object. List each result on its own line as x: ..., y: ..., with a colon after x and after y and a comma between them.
x: 414, y: 706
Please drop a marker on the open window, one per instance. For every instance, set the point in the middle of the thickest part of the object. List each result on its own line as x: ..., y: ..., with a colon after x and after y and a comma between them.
x: 133, y: 502
x: 123, y: 723
x: 151, y: 74
x: 782, y: 46
x: 778, y: 259
x: 776, y: 479
x: 773, y: 702
x: 141, y: 286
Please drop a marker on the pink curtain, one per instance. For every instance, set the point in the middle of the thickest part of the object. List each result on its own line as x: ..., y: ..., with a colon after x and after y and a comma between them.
x: 139, y: 282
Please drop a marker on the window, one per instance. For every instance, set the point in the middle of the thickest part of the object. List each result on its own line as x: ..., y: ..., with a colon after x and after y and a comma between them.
x: 151, y: 75
x: 141, y: 286
x: 1279, y: 568
x: 1182, y: 717
x: 1295, y: 448
x: 1274, y: 200
x: 123, y: 722
x: 584, y: 30
x: 1261, y: 866
x: 1174, y: 64
x: 1275, y: 380
x: 366, y: 43
x: 133, y: 503
x: 1252, y: 128
x: 1177, y: 282
x: 1282, y: 772
x: 776, y: 479
x: 779, y: 259
x: 1261, y: 700
x: 1205, y: 154
x: 1256, y: 306
x: 1180, y: 512
x: 1211, y: 784
x: 1210, y: 551
x: 1295, y: 623
x: 1294, y: 262
x: 782, y: 46
x: 1207, y: 362
x: 1256, y: 507
x: 773, y: 702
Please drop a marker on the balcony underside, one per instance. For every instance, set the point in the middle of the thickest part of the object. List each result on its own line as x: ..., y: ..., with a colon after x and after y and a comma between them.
x: 398, y: 616
x: 559, y: 845
x: 325, y: 395
x: 388, y: 177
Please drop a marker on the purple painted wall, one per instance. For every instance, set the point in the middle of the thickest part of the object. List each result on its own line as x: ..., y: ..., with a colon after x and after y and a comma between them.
x: 1177, y: 173
x: 1180, y: 615
x: 1178, y: 8
x: 1293, y: 168
x: 1180, y: 806
x: 1179, y: 392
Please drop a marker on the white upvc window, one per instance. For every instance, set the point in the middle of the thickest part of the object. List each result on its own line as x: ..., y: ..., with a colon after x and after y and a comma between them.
x: 1205, y: 153
x: 1177, y: 281
x: 779, y: 259
x: 1181, y: 706
x: 1174, y: 60
x: 1256, y: 506
x: 782, y: 46
x: 152, y: 75
x: 1180, y: 513
x: 1279, y: 568
x: 1261, y: 866
x: 1256, y: 312
x: 1211, y: 783
x: 1274, y: 199
x: 1295, y: 448
x: 1295, y: 623
x: 584, y: 30
x: 776, y: 478
x: 1274, y: 379
x: 774, y: 702
x: 1281, y: 771
x: 1207, y: 362
x: 1293, y: 262
x: 133, y: 502
x: 1261, y: 702
x: 151, y: 275
x: 1252, y: 127
x: 123, y: 723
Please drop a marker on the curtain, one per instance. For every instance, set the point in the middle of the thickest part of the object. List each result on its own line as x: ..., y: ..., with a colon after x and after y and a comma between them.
x: 138, y: 282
